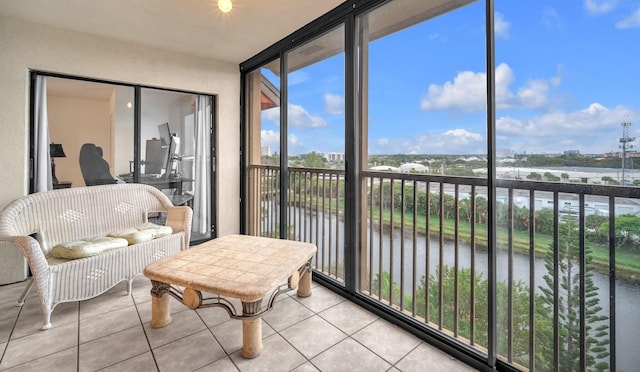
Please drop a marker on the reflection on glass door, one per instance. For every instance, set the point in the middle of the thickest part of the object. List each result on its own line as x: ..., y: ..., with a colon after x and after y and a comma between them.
x: 90, y: 126
x: 263, y: 116
x: 175, y: 151
x: 90, y: 135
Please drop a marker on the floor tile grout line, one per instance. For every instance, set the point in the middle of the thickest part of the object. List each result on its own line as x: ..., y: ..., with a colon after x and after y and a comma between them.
x: 122, y: 330
x: 406, y: 355
x: 146, y: 336
x: 13, y: 328
x: 22, y: 312
x: 41, y: 330
x: 296, y: 298
x: 78, y: 342
x: 374, y: 353
x: 217, y: 341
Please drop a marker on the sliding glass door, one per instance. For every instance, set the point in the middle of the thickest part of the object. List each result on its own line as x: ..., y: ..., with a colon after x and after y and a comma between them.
x: 97, y: 133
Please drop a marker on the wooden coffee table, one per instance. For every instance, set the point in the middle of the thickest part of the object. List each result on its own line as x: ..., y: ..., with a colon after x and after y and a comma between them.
x: 248, y: 268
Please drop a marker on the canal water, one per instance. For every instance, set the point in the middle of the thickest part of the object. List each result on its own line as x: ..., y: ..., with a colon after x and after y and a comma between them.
x: 627, y: 294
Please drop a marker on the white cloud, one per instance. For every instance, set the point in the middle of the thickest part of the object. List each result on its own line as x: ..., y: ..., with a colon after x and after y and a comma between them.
x: 272, y: 114
x: 438, y: 37
x: 298, y: 116
x: 294, y: 143
x: 630, y: 22
x: 593, y: 129
x: 500, y: 26
x: 297, y: 77
x: 552, y: 19
x: 468, y: 90
x: 456, y: 141
x: 602, y: 7
x: 271, y: 138
x: 382, y: 141
x: 334, y: 104
x: 462, y: 136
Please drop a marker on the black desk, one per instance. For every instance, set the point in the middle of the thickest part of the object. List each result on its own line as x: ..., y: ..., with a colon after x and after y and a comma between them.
x: 62, y: 185
x: 165, y: 183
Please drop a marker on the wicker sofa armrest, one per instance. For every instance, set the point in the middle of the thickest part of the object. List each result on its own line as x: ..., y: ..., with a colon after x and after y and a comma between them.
x: 30, y: 248
x: 179, y: 219
x: 38, y: 264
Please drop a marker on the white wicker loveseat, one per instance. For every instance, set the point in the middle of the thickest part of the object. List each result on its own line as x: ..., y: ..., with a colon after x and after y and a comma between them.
x: 36, y: 222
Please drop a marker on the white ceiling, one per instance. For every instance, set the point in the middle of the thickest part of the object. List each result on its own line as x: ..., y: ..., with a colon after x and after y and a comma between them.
x: 194, y: 27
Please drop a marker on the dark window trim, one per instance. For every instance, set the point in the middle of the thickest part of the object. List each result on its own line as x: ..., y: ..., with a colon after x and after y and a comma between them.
x: 345, y: 14
x: 213, y: 99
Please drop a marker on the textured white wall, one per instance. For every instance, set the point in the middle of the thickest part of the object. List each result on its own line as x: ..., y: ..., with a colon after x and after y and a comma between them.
x: 26, y: 46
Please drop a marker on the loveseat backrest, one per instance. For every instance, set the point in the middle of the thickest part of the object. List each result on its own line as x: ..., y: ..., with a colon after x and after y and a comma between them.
x: 75, y: 213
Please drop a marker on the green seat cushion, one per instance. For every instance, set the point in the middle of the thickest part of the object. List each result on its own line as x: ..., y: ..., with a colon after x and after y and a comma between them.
x: 146, y: 231
x: 87, y: 247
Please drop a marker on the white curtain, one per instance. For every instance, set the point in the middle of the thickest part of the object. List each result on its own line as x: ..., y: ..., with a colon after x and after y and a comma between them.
x: 202, y: 184
x: 42, y: 161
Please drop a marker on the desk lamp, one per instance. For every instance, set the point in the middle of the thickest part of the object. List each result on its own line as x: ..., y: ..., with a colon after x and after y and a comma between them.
x: 55, y: 151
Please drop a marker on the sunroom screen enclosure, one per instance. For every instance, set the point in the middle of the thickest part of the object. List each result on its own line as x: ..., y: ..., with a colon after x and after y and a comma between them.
x: 377, y: 133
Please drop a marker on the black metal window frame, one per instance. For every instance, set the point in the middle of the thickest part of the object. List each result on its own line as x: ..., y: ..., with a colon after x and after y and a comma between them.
x: 346, y: 14
x: 137, y: 118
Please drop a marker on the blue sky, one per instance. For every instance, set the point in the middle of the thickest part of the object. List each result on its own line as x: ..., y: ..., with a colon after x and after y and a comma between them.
x: 567, y: 75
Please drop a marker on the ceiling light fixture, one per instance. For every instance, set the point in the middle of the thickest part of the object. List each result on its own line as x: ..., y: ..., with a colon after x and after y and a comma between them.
x: 225, y: 6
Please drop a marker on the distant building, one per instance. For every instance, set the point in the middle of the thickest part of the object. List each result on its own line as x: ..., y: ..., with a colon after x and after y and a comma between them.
x: 413, y: 167
x: 572, y: 153
x: 618, y: 154
x: 384, y: 168
x: 265, y: 150
x: 334, y: 157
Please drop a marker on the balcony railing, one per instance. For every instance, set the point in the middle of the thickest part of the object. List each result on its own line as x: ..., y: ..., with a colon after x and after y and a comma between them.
x: 314, y: 211
x: 567, y: 258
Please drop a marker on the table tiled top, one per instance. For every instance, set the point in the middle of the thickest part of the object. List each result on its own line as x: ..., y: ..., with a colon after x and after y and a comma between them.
x: 239, y: 266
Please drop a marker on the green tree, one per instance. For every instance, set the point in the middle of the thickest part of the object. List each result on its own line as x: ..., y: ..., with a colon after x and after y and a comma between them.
x: 520, y: 308
x: 534, y: 176
x: 460, y: 171
x: 271, y: 160
x: 569, y: 300
x: 627, y: 230
x: 314, y: 160
x: 383, y: 288
x: 593, y: 228
x: 610, y: 181
x: 551, y: 177
x: 544, y: 221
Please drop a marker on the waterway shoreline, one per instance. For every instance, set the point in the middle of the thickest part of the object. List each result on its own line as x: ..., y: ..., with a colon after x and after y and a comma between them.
x: 630, y: 276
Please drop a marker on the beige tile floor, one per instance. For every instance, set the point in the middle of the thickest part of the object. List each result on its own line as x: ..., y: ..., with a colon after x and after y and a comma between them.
x: 324, y: 332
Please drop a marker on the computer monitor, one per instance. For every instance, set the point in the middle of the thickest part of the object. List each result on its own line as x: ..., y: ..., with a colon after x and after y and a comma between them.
x: 165, y: 133
x: 156, y: 157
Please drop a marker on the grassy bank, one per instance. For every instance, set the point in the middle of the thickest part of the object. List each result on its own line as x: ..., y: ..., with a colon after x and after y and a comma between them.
x: 627, y: 262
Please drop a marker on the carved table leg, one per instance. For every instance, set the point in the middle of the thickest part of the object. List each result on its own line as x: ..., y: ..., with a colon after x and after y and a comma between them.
x: 160, y: 304
x: 251, y: 330
x: 304, y: 287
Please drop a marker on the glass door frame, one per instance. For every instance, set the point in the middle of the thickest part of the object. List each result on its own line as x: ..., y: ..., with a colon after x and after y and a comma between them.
x: 137, y: 117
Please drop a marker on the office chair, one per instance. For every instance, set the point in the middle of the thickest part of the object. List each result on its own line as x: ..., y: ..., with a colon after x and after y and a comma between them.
x: 95, y: 170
